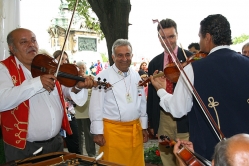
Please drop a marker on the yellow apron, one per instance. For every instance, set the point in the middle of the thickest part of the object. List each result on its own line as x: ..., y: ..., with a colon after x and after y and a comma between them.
x: 124, y: 142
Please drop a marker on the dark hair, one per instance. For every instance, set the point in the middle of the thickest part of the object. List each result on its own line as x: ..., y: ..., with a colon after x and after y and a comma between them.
x: 58, y: 53
x: 218, y: 27
x: 195, y: 45
x: 167, y: 23
x: 142, y: 65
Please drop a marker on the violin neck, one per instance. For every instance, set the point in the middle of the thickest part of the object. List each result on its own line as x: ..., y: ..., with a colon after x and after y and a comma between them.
x: 160, y: 74
x: 65, y: 75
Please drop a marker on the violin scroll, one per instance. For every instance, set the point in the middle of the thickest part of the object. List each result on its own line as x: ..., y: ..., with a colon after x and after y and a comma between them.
x: 102, y: 84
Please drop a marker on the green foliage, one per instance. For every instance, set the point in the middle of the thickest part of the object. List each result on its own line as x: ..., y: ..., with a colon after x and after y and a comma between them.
x: 84, y: 9
x: 240, y: 39
x: 152, y: 155
x: 104, y: 57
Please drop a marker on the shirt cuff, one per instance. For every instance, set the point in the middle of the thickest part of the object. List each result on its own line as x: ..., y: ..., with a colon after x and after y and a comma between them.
x: 97, y: 127
x: 161, y: 92
x: 80, y: 98
x: 36, y: 83
x: 144, y: 122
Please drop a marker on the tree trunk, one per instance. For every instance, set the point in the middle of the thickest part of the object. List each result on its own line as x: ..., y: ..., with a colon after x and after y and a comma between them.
x: 114, y: 20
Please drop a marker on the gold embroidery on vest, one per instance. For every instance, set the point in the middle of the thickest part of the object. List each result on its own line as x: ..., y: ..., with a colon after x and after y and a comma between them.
x: 213, y: 104
x: 7, y: 128
x: 17, y: 126
x: 25, y: 104
x: 16, y: 69
x: 14, y: 80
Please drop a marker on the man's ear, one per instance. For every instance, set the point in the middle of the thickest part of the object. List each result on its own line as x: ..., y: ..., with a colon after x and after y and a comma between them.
x: 208, y: 38
x: 11, y: 47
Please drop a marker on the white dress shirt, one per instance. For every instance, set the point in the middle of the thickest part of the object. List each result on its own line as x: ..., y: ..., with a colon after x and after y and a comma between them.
x: 113, y: 103
x: 180, y: 102
x: 45, y: 110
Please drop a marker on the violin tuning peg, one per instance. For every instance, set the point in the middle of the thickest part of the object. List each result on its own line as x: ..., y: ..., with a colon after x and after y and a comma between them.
x: 99, y: 87
x: 104, y: 80
x: 99, y: 78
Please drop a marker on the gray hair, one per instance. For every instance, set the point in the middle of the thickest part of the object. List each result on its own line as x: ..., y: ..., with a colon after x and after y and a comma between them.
x: 120, y: 42
x: 10, y: 39
x: 220, y: 156
x: 245, y: 45
x: 80, y: 63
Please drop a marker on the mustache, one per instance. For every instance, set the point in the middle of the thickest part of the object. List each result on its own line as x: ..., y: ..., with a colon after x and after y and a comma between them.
x: 32, y: 49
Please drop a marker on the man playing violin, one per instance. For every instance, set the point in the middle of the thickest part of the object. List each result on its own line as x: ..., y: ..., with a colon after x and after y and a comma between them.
x: 160, y: 121
x: 220, y: 83
x: 32, y: 109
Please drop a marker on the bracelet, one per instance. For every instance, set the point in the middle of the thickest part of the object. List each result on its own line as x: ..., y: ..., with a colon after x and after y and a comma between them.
x: 77, y: 88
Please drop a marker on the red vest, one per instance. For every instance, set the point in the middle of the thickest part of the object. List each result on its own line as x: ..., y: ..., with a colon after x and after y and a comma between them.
x: 14, y: 122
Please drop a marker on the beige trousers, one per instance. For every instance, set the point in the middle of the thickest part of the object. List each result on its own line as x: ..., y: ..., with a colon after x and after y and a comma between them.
x: 167, y: 126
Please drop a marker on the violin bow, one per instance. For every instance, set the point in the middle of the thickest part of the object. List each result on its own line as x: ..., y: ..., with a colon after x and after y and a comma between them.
x: 67, y: 33
x: 189, y: 84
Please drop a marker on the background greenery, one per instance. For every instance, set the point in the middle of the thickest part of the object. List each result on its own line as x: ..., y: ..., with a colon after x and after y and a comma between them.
x: 152, y: 155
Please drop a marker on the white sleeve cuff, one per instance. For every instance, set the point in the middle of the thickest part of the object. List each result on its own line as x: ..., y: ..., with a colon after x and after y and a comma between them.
x: 161, y: 92
x: 80, y: 98
x: 97, y: 127
x: 144, y: 122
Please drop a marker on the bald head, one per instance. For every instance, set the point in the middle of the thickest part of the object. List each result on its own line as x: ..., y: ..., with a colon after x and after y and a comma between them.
x: 238, y: 150
x: 232, y: 152
x: 22, y: 44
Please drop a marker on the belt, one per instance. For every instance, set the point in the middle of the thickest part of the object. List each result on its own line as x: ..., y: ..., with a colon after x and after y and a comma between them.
x: 47, y: 141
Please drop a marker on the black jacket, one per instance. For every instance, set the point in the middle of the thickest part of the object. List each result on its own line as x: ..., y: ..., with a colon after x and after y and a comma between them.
x: 153, y: 107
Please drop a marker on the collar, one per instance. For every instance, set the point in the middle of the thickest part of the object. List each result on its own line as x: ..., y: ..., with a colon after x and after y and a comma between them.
x: 218, y: 48
x: 175, y: 51
x: 124, y: 74
x: 18, y: 63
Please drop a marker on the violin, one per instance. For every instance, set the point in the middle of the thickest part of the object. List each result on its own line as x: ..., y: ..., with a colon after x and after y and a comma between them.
x: 171, y: 71
x: 188, y: 157
x: 67, y: 75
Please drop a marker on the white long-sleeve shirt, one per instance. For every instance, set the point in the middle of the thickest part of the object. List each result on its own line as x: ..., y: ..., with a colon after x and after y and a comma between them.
x: 45, y: 110
x: 182, y: 94
x: 113, y: 105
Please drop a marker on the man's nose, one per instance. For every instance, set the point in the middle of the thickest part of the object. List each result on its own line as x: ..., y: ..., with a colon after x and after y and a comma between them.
x: 31, y: 43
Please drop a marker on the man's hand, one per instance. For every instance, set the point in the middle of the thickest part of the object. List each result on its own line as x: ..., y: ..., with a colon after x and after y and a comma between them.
x: 152, y: 132
x: 99, y: 139
x: 47, y: 81
x: 158, y: 82
x: 185, y: 143
x: 145, y: 135
x: 176, y: 149
x: 87, y: 84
